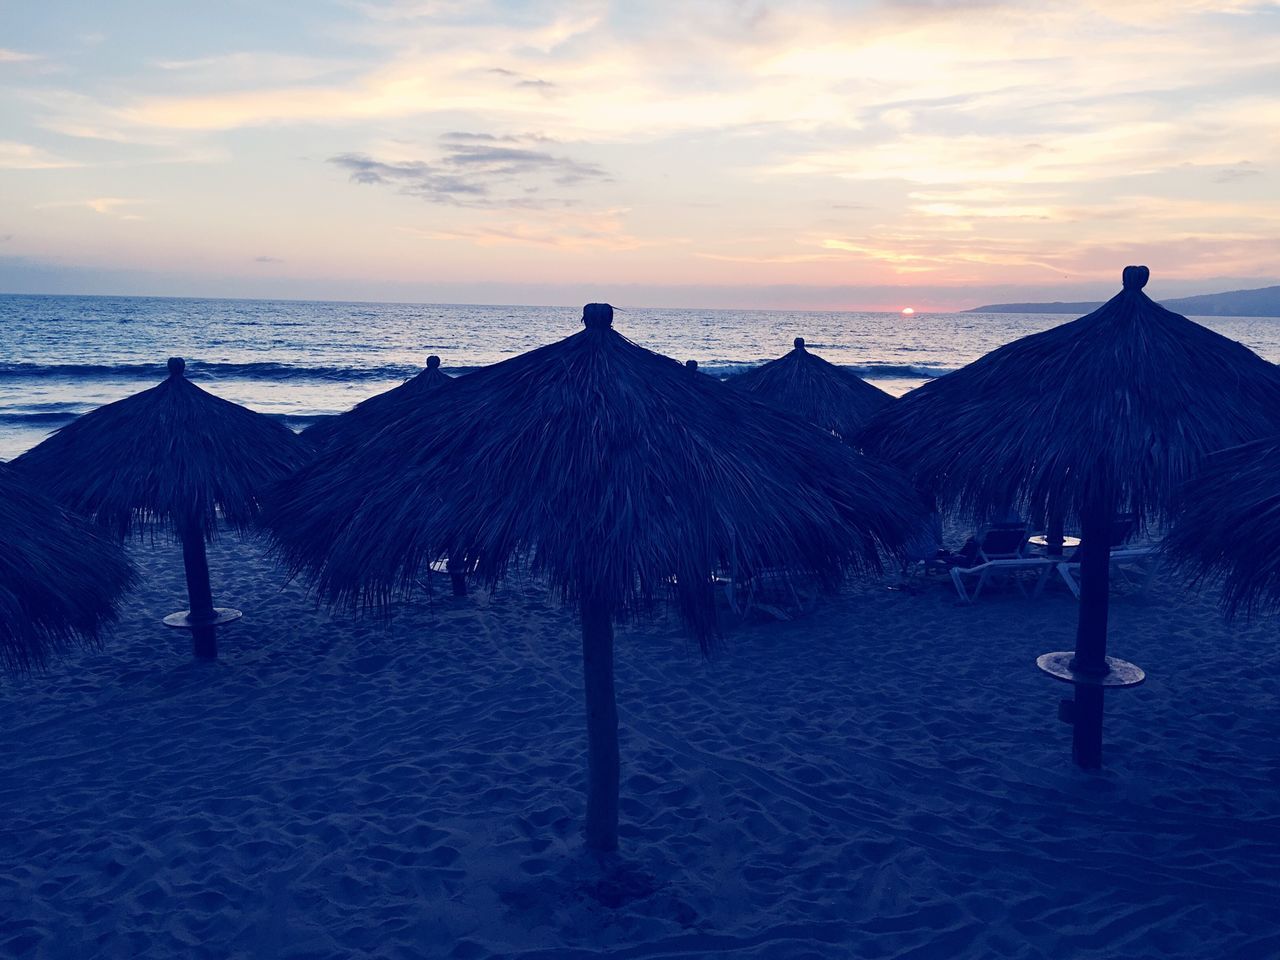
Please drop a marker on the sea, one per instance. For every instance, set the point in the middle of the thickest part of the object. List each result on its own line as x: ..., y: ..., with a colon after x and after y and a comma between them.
x: 61, y: 356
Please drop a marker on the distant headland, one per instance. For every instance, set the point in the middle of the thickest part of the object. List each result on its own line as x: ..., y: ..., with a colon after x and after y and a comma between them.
x: 1263, y: 302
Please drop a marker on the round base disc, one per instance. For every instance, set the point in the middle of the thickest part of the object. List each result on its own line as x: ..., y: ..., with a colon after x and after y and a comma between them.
x: 182, y: 619
x: 1122, y: 674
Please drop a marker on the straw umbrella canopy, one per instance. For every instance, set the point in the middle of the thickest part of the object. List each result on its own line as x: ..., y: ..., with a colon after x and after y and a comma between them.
x: 174, y: 456
x: 369, y: 416
x: 60, y: 578
x: 619, y: 476
x: 1108, y: 413
x: 815, y: 390
x: 1228, y: 528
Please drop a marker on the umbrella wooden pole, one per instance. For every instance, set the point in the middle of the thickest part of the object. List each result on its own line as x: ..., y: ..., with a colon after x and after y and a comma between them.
x: 1091, y: 636
x: 602, y: 726
x: 1053, y: 535
x: 204, y: 643
x: 1095, y: 586
x: 456, y: 577
x: 1086, y: 727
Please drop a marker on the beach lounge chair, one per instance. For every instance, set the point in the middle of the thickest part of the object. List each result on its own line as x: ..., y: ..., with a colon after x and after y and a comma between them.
x: 1005, y: 569
x: 1135, y: 564
x: 778, y: 593
x: 925, y: 554
x: 1001, y: 552
x: 443, y: 567
x: 1002, y: 541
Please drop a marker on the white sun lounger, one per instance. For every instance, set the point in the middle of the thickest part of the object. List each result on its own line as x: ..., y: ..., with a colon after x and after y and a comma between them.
x: 1135, y: 565
x: 791, y: 596
x: 999, y: 569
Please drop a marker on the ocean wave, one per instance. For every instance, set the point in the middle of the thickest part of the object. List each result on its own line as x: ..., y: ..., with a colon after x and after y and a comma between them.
x: 868, y: 371
x: 726, y: 368
x: 49, y: 419
x: 201, y: 370
x: 51, y: 406
x: 903, y: 371
x: 37, y: 417
x: 387, y: 373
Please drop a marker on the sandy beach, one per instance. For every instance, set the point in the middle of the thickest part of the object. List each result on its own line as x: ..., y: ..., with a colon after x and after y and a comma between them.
x: 884, y: 778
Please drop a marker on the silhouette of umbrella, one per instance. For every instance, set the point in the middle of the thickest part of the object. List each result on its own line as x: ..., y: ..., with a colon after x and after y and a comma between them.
x: 60, y: 579
x: 815, y: 390
x: 618, y: 474
x: 371, y: 415
x: 1108, y: 413
x: 1228, y: 528
x: 175, y: 456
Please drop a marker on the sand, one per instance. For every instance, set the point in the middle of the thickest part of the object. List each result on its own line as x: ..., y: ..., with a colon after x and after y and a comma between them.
x: 884, y: 778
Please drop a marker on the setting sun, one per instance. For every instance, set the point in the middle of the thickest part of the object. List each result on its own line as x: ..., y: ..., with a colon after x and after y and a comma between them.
x: 907, y: 311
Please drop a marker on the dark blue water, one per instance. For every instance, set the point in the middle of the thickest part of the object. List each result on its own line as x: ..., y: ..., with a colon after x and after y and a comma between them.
x: 62, y: 356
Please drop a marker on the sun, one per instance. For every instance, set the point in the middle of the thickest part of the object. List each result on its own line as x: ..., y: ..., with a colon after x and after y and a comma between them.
x: 907, y: 311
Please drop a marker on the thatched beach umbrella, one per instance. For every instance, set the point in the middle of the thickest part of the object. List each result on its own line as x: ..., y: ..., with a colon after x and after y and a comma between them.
x: 621, y: 478
x: 1228, y: 528
x: 60, y: 579
x: 175, y: 456
x: 815, y: 390
x: 1108, y: 413
x: 369, y: 416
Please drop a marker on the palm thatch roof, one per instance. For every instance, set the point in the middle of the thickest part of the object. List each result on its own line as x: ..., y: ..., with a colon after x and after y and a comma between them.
x: 172, y: 454
x: 1228, y: 527
x: 608, y: 467
x: 815, y: 390
x: 1128, y: 400
x: 369, y: 416
x: 60, y: 580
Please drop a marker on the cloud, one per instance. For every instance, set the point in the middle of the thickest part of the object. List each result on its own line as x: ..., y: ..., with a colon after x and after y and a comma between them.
x: 25, y: 156
x: 414, y: 178
x: 249, y: 68
x: 523, y: 81
x: 267, y: 260
x: 476, y: 170
x: 103, y: 206
x: 399, y: 10
x: 462, y: 136
x: 601, y: 230
x: 1240, y: 171
x: 956, y: 138
x: 16, y: 56
x: 594, y: 71
x: 514, y: 161
x: 108, y: 205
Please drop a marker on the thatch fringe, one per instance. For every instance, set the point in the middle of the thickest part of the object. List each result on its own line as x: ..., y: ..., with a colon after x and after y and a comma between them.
x: 172, y: 455
x: 610, y: 468
x: 371, y: 415
x: 1227, y: 530
x: 816, y: 390
x: 1126, y: 401
x: 60, y: 579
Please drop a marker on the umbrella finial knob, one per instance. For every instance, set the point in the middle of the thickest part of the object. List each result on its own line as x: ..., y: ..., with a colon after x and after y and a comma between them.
x: 176, y: 366
x: 798, y: 343
x: 691, y: 366
x: 433, y: 362
x: 1135, y: 278
x: 597, y: 316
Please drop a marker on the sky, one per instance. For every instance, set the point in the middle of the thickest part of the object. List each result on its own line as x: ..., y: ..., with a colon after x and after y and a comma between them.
x: 803, y: 155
